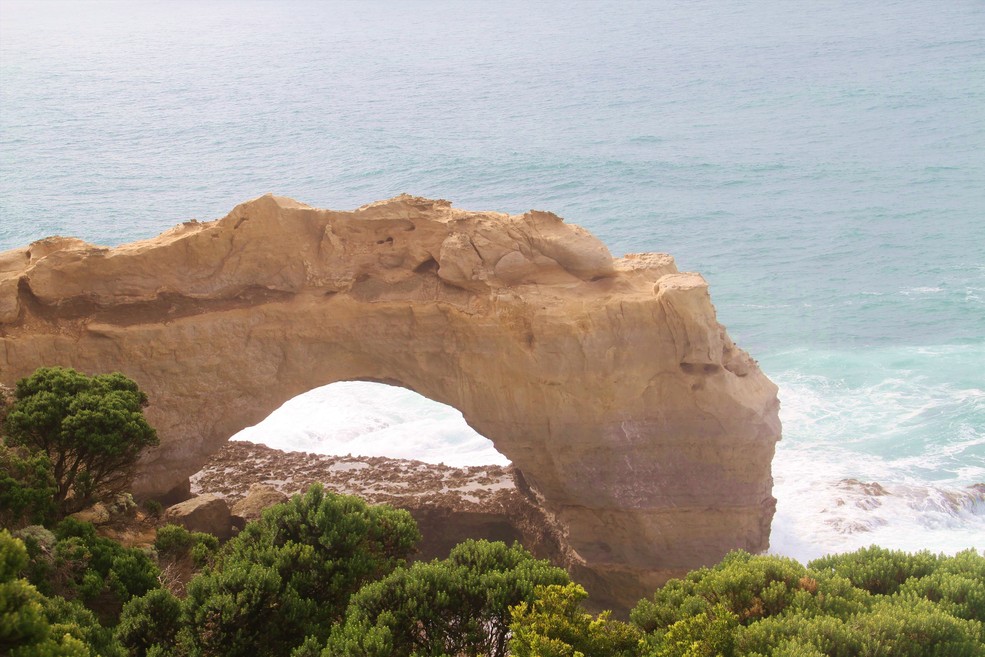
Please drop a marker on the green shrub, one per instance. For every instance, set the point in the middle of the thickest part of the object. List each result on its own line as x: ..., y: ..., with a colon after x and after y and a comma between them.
x: 869, y: 603
x: 957, y: 586
x: 27, y: 487
x: 458, y: 606
x: 174, y: 542
x: 902, y: 627
x: 99, y: 572
x: 750, y: 588
x: 153, y: 508
x: 92, y: 430
x: 878, y: 570
x: 150, y: 622
x: 33, y: 625
x: 289, y: 575
x: 554, y: 625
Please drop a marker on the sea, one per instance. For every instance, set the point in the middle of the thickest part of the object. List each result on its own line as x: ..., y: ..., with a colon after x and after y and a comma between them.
x: 821, y: 163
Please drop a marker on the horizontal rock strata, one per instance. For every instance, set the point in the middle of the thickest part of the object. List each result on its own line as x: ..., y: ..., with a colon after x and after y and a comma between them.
x: 634, y: 421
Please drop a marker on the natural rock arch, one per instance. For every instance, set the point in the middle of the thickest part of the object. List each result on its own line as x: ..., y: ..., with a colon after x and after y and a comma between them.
x: 643, y: 431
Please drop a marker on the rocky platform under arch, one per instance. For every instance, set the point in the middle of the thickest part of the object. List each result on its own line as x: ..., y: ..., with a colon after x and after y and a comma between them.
x: 634, y: 422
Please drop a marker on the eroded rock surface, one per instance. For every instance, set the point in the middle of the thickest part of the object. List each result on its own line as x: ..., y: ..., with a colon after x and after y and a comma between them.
x: 644, y: 433
x: 449, y: 504
x: 202, y: 513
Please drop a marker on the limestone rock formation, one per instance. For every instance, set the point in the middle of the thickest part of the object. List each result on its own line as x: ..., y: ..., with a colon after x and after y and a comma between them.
x: 631, y: 417
x: 258, y: 497
x: 449, y: 504
x: 202, y: 513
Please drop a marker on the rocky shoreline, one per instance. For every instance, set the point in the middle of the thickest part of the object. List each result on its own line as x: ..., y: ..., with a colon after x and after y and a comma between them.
x: 450, y: 504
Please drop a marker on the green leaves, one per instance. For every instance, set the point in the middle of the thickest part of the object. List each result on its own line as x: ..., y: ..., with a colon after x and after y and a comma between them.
x: 91, y: 429
x: 290, y: 574
x: 458, y: 606
x: 876, y: 569
x: 97, y: 571
x: 153, y: 619
x: 554, y: 625
x: 32, y: 625
x: 869, y: 603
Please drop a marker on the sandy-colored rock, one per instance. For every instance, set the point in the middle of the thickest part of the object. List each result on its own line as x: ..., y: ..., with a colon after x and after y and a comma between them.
x: 258, y: 498
x: 449, y: 504
x: 637, y: 424
x: 204, y: 513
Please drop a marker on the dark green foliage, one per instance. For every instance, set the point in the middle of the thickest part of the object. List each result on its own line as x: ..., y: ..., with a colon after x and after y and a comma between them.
x: 750, y: 588
x: 68, y: 616
x: 91, y: 428
x: 901, y: 628
x: 459, y: 606
x: 149, y: 622
x: 153, y: 508
x: 876, y: 569
x: 870, y: 603
x: 291, y: 573
x: 99, y: 572
x: 27, y: 487
x: 554, y: 625
x: 32, y: 625
x: 175, y: 543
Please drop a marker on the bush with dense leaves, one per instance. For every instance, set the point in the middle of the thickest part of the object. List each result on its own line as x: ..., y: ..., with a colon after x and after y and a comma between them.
x: 92, y: 430
x: 79, y: 564
x: 868, y: 603
x: 27, y: 487
x: 175, y: 544
x: 554, y: 625
x: 878, y: 570
x: 290, y: 574
x: 150, y: 623
x: 457, y: 606
x: 33, y: 625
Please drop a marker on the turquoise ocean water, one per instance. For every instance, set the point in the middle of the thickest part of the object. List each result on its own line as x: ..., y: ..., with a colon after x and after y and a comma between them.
x: 822, y: 164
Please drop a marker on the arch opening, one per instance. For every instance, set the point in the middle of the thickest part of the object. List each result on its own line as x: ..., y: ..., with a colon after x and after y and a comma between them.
x: 385, y: 444
x: 367, y: 419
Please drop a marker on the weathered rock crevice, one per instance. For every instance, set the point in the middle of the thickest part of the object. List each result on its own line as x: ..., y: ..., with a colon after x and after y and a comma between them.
x: 645, y: 433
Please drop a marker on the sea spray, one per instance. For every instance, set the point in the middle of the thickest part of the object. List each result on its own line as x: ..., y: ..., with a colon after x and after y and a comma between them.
x: 883, y: 446
x: 373, y: 419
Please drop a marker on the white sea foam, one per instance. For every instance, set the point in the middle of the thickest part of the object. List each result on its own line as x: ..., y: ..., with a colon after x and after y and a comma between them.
x: 921, y: 290
x: 882, y: 457
x: 845, y: 430
x: 372, y: 419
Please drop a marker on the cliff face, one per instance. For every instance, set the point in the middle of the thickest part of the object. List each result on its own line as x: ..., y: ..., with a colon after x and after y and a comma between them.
x: 632, y: 419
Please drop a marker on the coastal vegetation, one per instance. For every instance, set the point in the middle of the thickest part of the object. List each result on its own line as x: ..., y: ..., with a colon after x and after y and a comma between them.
x: 326, y: 575
x: 77, y: 436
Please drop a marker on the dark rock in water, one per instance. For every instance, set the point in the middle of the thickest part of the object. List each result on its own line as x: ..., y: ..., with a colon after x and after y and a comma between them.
x: 872, y: 488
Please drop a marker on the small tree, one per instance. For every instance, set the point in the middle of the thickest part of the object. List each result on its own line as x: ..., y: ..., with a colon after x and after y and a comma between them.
x: 92, y: 430
x: 555, y: 625
x: 457, y: 606
x: 27, y: 488
x: 33, y: 625
x: 290, y: 574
